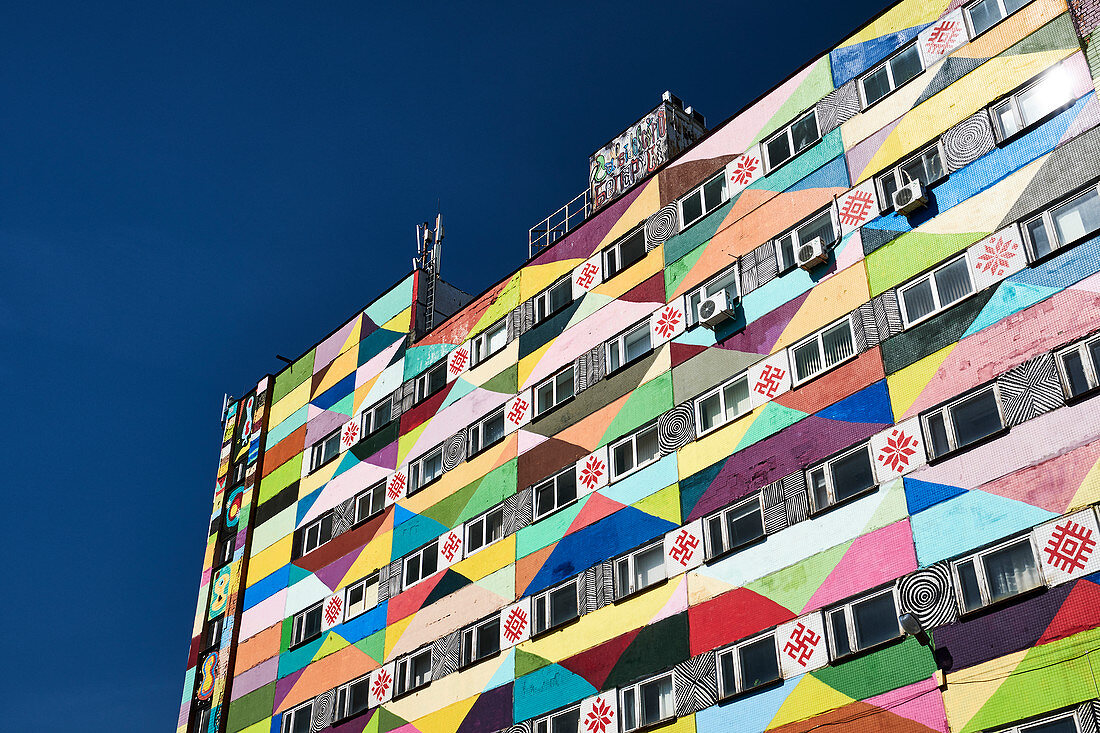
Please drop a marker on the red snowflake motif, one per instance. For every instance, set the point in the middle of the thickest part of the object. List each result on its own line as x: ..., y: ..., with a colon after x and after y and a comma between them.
x: 396, y: 485
x: 451, y: 546
x: 898, y: 450
x: 518, y: 411
x: 600, y: 717
x: 382, y: 684
x: 771, y: 377
x: 857, y: 208
x: 591, y: 472
x: 670, y: 318
x: 587, y: 276
x: 458, y: 360
x: 800, y: 647
x: 333, y: 608
x: 997, y: 255
x: 744, y: 170
x: 942, y: 37
x: 350, y: 434
x: 683, y: 547
x: 1069, y: 546
x: 515, y: 625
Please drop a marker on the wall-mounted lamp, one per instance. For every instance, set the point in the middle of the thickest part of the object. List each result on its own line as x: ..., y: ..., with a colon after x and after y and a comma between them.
x: 911, y: 625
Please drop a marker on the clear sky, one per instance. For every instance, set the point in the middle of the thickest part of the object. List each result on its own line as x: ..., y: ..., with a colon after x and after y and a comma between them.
x: 189, y: 188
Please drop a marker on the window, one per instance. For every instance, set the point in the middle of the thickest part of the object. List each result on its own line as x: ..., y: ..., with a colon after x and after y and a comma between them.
x: 821, y: 225
x: 225, y: 551
x: 640, y: 569
x: 486, y: 432
x: 238, y: 471
x: 421, y: 563
x: 353, y: 697
x: 201, y: 720
x: 1080, y: 365
x: 1062, y: 723
x: 962, y: 422
x: 481, y: 640
x: 554, y: 391
x: 426, y: 469
x: 555, y: 607
x: 566, y: 721
x: 703, y: 200
x: 984, y: 14
x: 647, y: 702
x: 1032, y: 103
x: 489, y: 342
x: 628, y: 346
x: 413, y: 672
x: 722, y: 404
x: 840, y: 478
x: 634, y: 451
x: 926, y: 167
x: 553, y: 299
x: 555, y: 492
x: 1063, y: 224
x: 370, y: 502
x: 734, y: 527
x: 213, y: 632
x: 377, y: 417
x: 791, y: 140
x: 299, y: 720
x: 993, y: 575
x: 624, y: 253
x: 823, y: 351
x: 725, y: 281
x: 361, y: 596
x: 748, y: 665
x: 935, y: 291
x: 431, y: 381
x: 890, y: 74
x: 863, y: 623
x: 485, y: 530
x: 324, y: 450
x: 317, y: 533
x: 306, y: 625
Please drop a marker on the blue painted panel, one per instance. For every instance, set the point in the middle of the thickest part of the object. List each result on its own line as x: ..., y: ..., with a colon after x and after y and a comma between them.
x: 851, y: 61
x: 548, y: 689
x: 869, y: 405
x: 751, y: 713
x: 335, y: 393
x: 413, y: 533
x: 263, y: 589
x: 968, y: 521
x: 919, y: 495
x: 364, y: 624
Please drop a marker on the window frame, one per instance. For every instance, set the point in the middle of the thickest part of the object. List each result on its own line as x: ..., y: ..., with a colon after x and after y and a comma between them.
x: 470, y: 640
x: 614, y: 253
x: 375, y: 493
x: 797, y: 379
x: 1089, y: 365
x: 552, y: 380
x: 343, y: 697
x: 317, y: 459
x: 724, y: 197
x: 728, y: 547
x: 1013, y: 101
x: 1047, y: 218
x: 429, y: 550
x: 849, y: 618
x: 545, y: 724
x: 628, y: 561
x: 886, y: 201
x: 320, y: 524
x: 536, y: 516
x: 212, y: 634
x: 973, y: 32
x: 483, y: 518
x: 423, y: 382
x: 701, y: 291
x: 545, y: 599
x: 981, y: 574
x: 478, y: 445
x: 544, y: 298
x: 885, y: 63
x: 298, y: 635
x: 782, y: 265
x: 632, y: 438
x: 830, y: 480
x: 619, y: 344
x: 368, y: 603
x: 417, y: 467
x: 403, y: 682
x: 1042, y: 719
x: 290, y: 717
x: 720, y: 391
x: 930, y: 277
x: 787, y: 130
x: 483, y: 341
x: 367, y: 424
x: 635, y: 690
x: 739, y: 687
x: 944, y: 409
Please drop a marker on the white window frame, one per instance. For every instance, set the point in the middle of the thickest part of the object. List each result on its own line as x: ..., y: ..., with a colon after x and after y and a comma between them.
x: 612, y: 256
x: 625, y: 564
x: 700, y: 192
x: 818, y: 336
x: 343, y: 696
x: 849, y: 618
x: 769, y: 164
x: 543, y: 601
x: 370, y: 598
x: 619, y: 344
x: 430, y: 552
x: 571, y: 473
x: 1047, y: 218
x: 482, y: 523
x: 476, y: 437
x: 974, y: 32
x: 481, y: 348
x: 545, y: 724
x: 784, y: 266
x: 826, y: 467
x: 945, y: 411
x: 552, y: 382
x: 423, y: 382
x: 699, y: 294
x: 885, y: 63
x: 1052, y: 75
x: 298, y: 635
x: 714, y: 550
x: 724, y: 419
x: 543, y: 302
x: 416, y: 470
x: 1036, y: 722
x: 635, y: 693
x: 292, y: 716
x: 633, y: 440
x: 373, y: 495
x: 317, y: 529
x: 938, y: 305
x: 469, y: 652
x: 901, y: 176
x: 1089, y: 365
x: 404, y: 681
x: 317, y: 457
x: 981, y: 574
x: 733, y: 651
x: 377, y: 417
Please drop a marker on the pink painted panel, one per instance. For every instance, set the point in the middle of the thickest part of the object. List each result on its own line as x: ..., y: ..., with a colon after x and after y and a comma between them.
x: 873, y: 559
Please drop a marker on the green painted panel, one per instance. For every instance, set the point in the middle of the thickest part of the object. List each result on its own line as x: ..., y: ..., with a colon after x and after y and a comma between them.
x: 1056, y: 35
x: 893, y: 666
x: 644, y: 403
x: 773, y: 418
x: 507, y: 382
x: 292, y: 376
x: 793, y: 587
x: 816, y: 85
x: 250, y: 709
x: 280, y: 478
x: 374, y: 645
x: 911, y: 254
x: 493, y: 488
x: 547, y: 531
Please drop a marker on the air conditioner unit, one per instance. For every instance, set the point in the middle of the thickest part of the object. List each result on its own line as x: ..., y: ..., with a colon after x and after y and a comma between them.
x: 811, y: 253
x: 910, y: 197
x: 717, y: 309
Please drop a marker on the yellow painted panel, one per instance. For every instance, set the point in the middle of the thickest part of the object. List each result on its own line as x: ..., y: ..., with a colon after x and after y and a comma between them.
x: 536, y: 278
x: 488, y: 560
x: 1089, y: 491
x: 462, y: 474
x: 447, y: 719
x: 963, y: 701
x: 315, y: 480
x: 267, y: 561
x: 984, y: 211
x: 905, y: 385
x: 528, y: 363
x: 407, y: 442
x: 698, y: 454
x: 400, y: 322
x: 264, y: 726
x: 647, y: 203
x: 898, y: 18
x: 663, y: 504
x: 342, y: 366
x: 810, y: 697
x: 394, y: 632
x: 291, y: 402
x: 362, y: 392
x: 842, y: 293
x: 353, y: 336
x: 374, y: 556
x: 701, y: 588
x: 449, y: 690
x: 494, y: 365
x: 639, y: 272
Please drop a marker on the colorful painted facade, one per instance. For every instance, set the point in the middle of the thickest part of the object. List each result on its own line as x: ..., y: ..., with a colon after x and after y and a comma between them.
x: 800, y: 432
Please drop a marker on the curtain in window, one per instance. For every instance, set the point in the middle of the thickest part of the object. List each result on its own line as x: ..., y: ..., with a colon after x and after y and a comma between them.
x: 837, y: 343
x: 1011, y: 571
x: 1078, y: 218
x: 953, y: 282
x: 807, y: 359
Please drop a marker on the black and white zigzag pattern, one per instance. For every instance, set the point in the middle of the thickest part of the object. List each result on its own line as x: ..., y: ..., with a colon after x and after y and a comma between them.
x: 454, y: 450
x: 867, y: 333
x: 597, y: 587
x: 525, y: 313
x: 774, y: 504
x: 767, y: 266
x: 796, y: 498
x: 588, y: 369
x: 747, y: 268
x: 928, y: 595
x: 838, y: 106
x: 518, y: 511
x: 395, y: 404
x: 696, y: 684
x: 445, y: 654
x: 324, y: 710
x: 967, y: 141
x: 383, y: 583
x: 661, y: 227
x: 676, y: 428
x: 887, y: 314
x: 514, y: 324
x: 1086, y: 716
x: 394, y: 580
x: 1030, y: 389
x: 343, y: 516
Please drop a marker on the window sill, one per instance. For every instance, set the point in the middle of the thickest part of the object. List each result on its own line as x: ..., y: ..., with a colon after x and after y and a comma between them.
x: 933, y: 460
x: 797, y: 384
x: 639, y: 591
x: 817, y: 512
x: 864, y: 651
x: 864, y: 106
x: 631, y: 472
x: 735, y: 549
x: 654, y: 724
x: 556, y: 509
x: 700, y: 433
x: 306, y: 641
x: 536, y: 322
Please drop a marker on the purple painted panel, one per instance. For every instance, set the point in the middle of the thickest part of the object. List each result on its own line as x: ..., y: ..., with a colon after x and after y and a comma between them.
x: 491, y: 712
x: 583, y: 242
x: 760, y: 336
x: 329, y: 349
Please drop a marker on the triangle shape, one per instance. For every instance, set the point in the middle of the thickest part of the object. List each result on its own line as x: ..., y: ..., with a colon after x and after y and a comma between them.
x: 769, y: 421
x: 792, y: 587
x: 596, y: 664
x: 505, y: 673
x: 809, y: 698
x: 507, y: 382
x: 919, y: 495
x: 297, y: 575
x: 681, y: 352
x: 526, y: 662
x: 869, y: 405
x: 333, y: 573
x: 663, y: 504
x: 595, y: 508
x: 387, y: 721
x: 871, y: 559
x: 459, y: 389
x: 953, y: 69
x: 906, y: 384
x: 333, y: 643
x: 1077, y: 613
x: 448, y: 584
x: 374, y: 646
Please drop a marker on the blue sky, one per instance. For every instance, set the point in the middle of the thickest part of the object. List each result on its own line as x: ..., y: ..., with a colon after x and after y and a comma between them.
x: 187, y: 189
